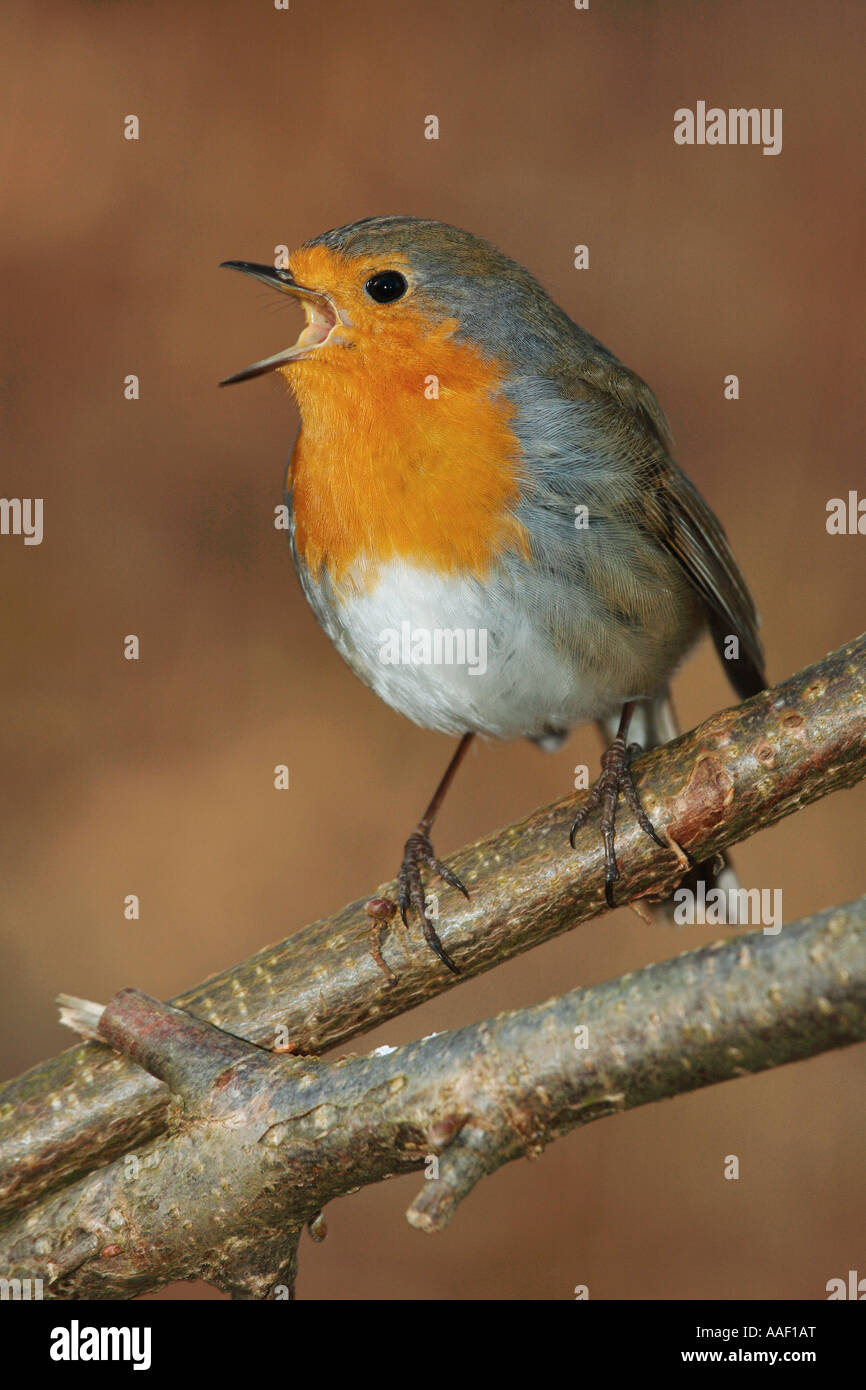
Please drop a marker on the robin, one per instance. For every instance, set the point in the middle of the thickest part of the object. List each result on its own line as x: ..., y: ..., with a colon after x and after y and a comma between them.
x: 485, y: 514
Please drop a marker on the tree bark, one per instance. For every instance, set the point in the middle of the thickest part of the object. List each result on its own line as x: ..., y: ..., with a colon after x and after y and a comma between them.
x: 258, y: 1142
x: 743, y: 769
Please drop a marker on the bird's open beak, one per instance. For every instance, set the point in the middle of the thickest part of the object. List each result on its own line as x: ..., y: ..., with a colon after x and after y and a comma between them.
x: 322, y: 317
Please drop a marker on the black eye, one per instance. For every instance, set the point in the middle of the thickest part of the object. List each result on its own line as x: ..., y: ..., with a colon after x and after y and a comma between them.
x: 386, y: 286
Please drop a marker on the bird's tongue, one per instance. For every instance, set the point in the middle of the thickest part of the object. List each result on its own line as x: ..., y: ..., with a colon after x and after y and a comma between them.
x: 320, y: 321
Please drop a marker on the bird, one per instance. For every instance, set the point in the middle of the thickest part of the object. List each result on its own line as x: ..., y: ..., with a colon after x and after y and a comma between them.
x: 486, y: 516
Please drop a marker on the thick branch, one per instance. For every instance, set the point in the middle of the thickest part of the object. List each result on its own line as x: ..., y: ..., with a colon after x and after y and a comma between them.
x: 264, y: 1141
x: 744, y: 769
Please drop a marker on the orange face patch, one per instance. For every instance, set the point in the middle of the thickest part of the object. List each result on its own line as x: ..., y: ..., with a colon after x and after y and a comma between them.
x: 406, y: 448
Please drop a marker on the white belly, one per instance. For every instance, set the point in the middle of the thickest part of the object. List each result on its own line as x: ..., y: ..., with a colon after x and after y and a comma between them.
x: 456, y: 655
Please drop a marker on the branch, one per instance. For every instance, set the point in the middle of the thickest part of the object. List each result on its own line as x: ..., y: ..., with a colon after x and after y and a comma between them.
x: 743, y: 769
x: 264, y: 1141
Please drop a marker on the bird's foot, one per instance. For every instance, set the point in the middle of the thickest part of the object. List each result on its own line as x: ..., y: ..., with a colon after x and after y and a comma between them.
x: 418, y: 854
x: 615, y: 777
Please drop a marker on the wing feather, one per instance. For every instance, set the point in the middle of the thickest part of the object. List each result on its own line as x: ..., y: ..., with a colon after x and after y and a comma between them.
x: 673, y: 513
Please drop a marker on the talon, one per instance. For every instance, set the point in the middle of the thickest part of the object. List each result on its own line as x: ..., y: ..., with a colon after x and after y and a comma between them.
x: 615, y: 777
x: 433, y: 941
x: 418, y: 851
x: 449, y: 877
x: 589, y: 805
x: 647, y: 825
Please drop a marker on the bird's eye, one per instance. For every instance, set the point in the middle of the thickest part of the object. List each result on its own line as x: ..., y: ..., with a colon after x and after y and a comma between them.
x: 386, y: 286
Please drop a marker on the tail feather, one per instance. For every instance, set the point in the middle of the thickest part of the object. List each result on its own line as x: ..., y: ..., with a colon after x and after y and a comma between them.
x: 743, y: 670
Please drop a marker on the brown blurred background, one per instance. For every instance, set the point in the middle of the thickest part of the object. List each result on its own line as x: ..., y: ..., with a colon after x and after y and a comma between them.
x: 261, y: 127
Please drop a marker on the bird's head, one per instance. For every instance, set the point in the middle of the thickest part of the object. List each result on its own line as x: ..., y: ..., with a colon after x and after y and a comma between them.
x: 383, y: 295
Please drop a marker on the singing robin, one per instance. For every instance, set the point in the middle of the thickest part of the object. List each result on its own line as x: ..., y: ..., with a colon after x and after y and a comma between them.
x: 485, y: 513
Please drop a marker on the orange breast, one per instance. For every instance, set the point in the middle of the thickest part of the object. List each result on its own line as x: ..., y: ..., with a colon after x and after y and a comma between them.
x: 406, y: 451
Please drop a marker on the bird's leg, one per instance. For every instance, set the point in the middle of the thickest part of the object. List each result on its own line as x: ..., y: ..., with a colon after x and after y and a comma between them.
x: 615, y: 777
x: 418, y: 854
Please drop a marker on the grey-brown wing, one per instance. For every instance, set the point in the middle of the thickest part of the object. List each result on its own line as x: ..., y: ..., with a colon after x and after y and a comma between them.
x: 674, y: 513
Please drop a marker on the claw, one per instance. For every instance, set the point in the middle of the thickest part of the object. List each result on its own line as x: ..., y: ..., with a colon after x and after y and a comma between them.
x: 615, y: 777
x: 433, y: 941
x: 419, y: 851
x: 448, y: 876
